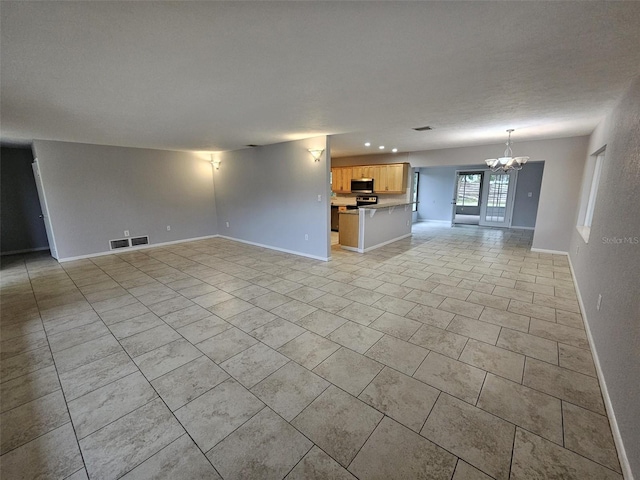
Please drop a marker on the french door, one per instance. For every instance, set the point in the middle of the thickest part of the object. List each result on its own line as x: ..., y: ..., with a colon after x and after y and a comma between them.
x: 498, y: 192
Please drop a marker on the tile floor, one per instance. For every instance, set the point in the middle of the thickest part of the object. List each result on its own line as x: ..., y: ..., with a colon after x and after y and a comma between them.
x: 454, y: 354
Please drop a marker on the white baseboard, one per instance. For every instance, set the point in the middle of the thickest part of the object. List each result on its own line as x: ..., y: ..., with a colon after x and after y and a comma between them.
x: 554, y: 252
x: 131, y: 249
x: 522, y: 228
x: 270, y: 247
x: 617, y: 438
x: 26, y: 250
x: 425, y: 220
x: 386, y: 243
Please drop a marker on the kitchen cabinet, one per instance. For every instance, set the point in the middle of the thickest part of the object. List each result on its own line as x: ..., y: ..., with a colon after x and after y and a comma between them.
x: 341, y: 179
x: 388, y: 178
x: 349, y: 230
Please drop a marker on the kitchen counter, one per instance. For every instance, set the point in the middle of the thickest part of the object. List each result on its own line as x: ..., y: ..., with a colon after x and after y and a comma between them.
x: 373, y: 226
x: 385, y: 205
x: 354, y: 211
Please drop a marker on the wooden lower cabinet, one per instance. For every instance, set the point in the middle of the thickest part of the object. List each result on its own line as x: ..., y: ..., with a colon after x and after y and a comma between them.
x: 349, y: 230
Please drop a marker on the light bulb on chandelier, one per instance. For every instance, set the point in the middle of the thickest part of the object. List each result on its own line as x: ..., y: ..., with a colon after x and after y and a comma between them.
x: 507, y: 162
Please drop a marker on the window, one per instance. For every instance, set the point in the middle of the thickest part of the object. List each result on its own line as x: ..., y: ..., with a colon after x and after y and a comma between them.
x: 468, y: 189
x: 589, y: 202
x: 416, y: 182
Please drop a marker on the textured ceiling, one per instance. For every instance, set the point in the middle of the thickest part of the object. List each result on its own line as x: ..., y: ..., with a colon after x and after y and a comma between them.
x: 221, y: 75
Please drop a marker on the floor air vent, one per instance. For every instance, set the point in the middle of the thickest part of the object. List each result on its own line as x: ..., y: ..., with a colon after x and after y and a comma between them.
x: 140, y: 241
x: 122, y: 243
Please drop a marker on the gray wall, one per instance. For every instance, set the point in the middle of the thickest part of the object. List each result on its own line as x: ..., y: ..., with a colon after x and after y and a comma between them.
x: 525, y: 208
x: 385, y: 225
x: 22, y: 229
x: 269, y: 196
x: 435, y: 193
x: 613, y: 269
x: 96, y: 192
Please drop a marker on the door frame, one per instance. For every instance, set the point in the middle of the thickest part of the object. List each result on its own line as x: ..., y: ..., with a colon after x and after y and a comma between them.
x: 44, y: 208
x: 511, y: 191
x: 454, y: 201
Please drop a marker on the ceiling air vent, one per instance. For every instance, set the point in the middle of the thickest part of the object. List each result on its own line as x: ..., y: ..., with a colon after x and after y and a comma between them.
x: 122, y: 243
x: 252, y: 145
x: 423, y: 129
x: 135, y: 241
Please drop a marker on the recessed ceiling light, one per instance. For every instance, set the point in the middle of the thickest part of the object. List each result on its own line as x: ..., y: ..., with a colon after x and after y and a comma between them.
x: 422, y: 129
x: 381, y: 147
x: 367, y: 144
x: 394, y: 150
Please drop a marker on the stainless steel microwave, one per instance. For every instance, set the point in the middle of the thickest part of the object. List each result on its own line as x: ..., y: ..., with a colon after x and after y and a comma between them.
x: 362, y: 185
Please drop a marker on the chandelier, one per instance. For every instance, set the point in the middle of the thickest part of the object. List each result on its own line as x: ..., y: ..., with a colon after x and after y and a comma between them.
x: 507, y: 161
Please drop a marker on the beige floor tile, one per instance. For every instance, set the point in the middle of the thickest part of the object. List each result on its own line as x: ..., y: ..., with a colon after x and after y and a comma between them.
x: 204, y: 328
x: 27, y: 388
x: 127, y: 442
x: 394, y: 305
x: 23, y: 344
x: 31, y: 420
x: 401, y: 397
x: 254, y: 364
x: 395, y: 452
x: 348, y: 370
x: 251, y: 319
x: 135, y: 325
x: 533, y: 310
x: 157, y: 362
x: 355, y: 336
x: 570, y: 319
x: 534, y: 457
x: 363, y: 295
x: 479, y: 438
x: 143, y: 342
x: 178, y: 387
x: 309, y: 349
x: 293, y: 310
x: 559, y: 333
x: 395, y: 325
x: 464, y: 471
x: 460, y: 307
x: 225, y: 345
x: 458, y: 293
x: 492, y: 301
x: 215, y: 414
x: 431, y: 316
x: 494, y: 359
x: 52, y: 455
x: 513, y: 293
x: 534, y: 288
x: 290, y: 389
x: 85, y: 353
x: 321, y: 322
x: 566, y: 384
x: 338, y: 423
x: 438, y: 340
x: 589, y: 434
x: 529, y: 345
x: 179, y: 459
x: 317, y: 465
x: 476, y: 286
x: 469, y: 327
x: 429, y: 299
x: 359, y: 313
x: 123, y: 313
x: 569, y: 305
x: 106, y: 404
x: 451, y: 376
x: 576, y: 359
x: 523, y: 406
x: 395, y: 353
x: 265, y: 447
x: 229, y: 308
x: 505, y: 319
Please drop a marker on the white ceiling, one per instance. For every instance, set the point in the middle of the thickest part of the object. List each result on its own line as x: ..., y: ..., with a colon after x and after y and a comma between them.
x: 220, y: 75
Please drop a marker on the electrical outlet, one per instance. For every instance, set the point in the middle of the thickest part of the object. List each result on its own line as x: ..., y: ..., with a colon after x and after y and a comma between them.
x: 126, y: 233
x: 577, y: 249
x: 407, y: 223
x: 168, y: 228
x: 227, y: 224
x: 306, y: 236
x: 599, y: 302
x: 319, y: 198
x: 529, y: 194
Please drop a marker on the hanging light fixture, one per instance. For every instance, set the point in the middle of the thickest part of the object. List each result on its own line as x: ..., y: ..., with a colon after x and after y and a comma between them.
x: 507, y: 161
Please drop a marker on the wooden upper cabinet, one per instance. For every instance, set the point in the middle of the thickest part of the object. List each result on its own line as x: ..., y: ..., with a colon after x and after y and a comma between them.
x: 391, y: 178
x: 341, y: 179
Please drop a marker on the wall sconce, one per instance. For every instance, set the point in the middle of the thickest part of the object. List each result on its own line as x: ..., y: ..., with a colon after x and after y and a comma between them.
x: 215, y: 163
x: 316, y: 153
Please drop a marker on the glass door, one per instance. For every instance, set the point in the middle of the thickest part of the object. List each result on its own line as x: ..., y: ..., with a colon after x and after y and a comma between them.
x: 497, y: 199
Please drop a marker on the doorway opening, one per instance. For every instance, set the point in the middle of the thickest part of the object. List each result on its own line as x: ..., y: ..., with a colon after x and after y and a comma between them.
x: 483, y: 198
x: 467, y: 198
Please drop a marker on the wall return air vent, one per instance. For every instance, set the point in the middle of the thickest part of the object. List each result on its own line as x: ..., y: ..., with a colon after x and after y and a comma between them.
x: 135, y: 241
x: 121, y: 243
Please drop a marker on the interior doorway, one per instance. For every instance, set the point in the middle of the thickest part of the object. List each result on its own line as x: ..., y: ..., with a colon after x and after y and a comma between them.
x: 467, y: 197
x: 484, y: 198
